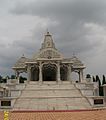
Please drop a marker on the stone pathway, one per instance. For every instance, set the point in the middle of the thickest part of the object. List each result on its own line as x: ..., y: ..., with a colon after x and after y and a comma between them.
x: 60, y: 115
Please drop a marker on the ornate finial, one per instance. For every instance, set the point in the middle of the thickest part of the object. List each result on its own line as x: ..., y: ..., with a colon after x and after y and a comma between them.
x: 73, y: 54
x: 23, y: 55
x: 47, y: 32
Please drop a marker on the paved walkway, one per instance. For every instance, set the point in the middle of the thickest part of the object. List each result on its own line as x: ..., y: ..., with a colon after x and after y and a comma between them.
x: 60, y: 115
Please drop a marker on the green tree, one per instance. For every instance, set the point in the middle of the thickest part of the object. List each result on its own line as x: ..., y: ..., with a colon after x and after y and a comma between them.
x: 101, y: 91
x: 0, y: 79
x: 94, y: 80
x: 97, y: 79
x: 100, y: 87
x: 22, y: 79
x: 7, y: 77
x: 4, y: 80
x: 99, y: 82
x: 88, y: 76
x: 13, y: 76
x: 104, y: 80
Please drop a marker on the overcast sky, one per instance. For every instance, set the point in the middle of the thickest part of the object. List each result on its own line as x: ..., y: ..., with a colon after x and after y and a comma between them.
x: 77, y: 26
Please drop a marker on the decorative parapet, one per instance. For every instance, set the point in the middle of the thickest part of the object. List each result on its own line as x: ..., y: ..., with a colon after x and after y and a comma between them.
x: 87, y: 89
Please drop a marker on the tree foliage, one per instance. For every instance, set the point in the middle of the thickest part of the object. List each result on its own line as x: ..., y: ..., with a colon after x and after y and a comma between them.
x: 22, y: 79
x: 13, y: 76
x: 88, y: 76
x: 4, y: 80
x: 101, y: 91
x: 97, y: 78
x: 94, y: 80
x: 0, y: 77
x: 104, y: 80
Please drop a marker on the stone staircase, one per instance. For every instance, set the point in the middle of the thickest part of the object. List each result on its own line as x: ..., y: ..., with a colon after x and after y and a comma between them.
x: 51, y: 96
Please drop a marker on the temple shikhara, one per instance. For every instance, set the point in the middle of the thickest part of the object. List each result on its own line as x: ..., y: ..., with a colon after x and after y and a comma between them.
x: 49, y: 84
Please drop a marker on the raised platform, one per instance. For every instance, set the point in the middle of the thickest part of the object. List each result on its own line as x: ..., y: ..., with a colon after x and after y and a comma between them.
x: 51, y: 96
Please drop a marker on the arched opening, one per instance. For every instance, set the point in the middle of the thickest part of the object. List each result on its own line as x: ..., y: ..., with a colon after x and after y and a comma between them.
x: 75, y: 76
x: 63, y: 73
x: 22, y: 77
x: 35, y: 74
x: 49, y: 72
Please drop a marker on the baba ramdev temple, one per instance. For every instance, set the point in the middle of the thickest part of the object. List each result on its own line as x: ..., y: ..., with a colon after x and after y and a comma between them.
x: 49, y: 64
x: 50, y: 93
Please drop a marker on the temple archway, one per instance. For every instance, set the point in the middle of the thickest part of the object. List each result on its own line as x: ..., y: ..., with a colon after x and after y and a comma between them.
x: 35, y: 74
x: 49, y: 72
x: 64, y: 72
x: 22, y: 77
x: 75, y: 76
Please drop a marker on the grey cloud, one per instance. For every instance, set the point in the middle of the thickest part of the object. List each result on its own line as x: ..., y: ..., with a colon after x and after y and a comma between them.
x: 91, y: 10
x: 71, y: 15
x: 69, y: 34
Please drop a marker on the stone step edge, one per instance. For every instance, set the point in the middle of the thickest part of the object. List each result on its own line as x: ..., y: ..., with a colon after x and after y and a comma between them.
x: 49, y: 89
x: 46, y: 97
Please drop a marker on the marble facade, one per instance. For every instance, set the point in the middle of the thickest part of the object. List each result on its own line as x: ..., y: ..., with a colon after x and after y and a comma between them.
x: 49, y: 64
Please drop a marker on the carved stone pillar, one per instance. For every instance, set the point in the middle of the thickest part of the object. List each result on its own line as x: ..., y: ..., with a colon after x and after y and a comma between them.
x: 81, y: 75
x: 28, y: 73
x: 17, y: 76
x: 58, y: 72
x: 40, y: 73
x: 69, y: 73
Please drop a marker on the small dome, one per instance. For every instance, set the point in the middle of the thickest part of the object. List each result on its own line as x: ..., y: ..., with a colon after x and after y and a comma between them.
x: 21, y: 62
x: 76, y: 61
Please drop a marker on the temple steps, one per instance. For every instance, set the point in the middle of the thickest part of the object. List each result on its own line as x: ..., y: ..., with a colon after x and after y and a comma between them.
x: 52, y: 96
x: 47, y: 85
x: 50, y: 93
x: 52, y: 104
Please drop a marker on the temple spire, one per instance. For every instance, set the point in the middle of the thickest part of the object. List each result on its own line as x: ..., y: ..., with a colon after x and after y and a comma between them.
x: 48, y: 41
x: 74, y: 54
x: 47, y: 30
x: 47, y: 33
x: 23, y: 55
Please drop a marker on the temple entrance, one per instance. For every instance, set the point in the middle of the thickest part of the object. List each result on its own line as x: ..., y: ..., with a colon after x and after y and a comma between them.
x: 35, y: 74
x: 63, y: 73
x: 75, y: 76
x: 49, y: 72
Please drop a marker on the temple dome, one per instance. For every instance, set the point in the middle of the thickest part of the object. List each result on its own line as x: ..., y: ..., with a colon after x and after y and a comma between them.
x: 76, y: 61
x: 21, y: 62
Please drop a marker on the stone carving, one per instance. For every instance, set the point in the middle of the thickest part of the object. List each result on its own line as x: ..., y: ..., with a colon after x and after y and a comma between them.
x: 49, y: 54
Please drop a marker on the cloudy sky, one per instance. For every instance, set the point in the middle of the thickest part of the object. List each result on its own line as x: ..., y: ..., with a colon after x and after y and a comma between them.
x: 77, y: 26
